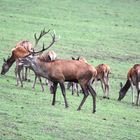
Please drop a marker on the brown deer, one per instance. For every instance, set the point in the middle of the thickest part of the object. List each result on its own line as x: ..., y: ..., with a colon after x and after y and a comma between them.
x: 59, y: 71
x: 133, y: 81
x: 103, y: 71
x: 21, y: 50
x: 45, y: 56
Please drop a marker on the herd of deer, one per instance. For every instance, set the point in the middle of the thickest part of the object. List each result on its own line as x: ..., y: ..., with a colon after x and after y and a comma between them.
x: 58, y: 71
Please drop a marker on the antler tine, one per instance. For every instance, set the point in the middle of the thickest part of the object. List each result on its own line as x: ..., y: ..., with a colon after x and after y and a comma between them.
x: 53, y: 35
x: 42, y: 33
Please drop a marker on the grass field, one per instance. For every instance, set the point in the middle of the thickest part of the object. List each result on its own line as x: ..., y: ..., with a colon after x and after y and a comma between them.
x: 105, y: 31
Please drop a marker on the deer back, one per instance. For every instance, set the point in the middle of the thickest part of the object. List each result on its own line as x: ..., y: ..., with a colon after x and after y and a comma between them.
x: 48, y: 56
x: 102, y: 70
x: 65, y: 70
x: 134, y: 74
x: 23, y: 48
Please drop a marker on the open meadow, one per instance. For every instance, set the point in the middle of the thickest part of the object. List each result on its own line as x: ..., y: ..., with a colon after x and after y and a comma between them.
x: 105, y: 31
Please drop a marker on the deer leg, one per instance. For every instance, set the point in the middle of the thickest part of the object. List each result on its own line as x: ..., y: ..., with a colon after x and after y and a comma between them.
x: 133, y: 94
x: 25, y: 76
x: 93, y: 94
x: 33, y: 87
x: 94, y: 82
x: 17, y: 80
x: 64, y: 93
x: 54, y: 92
x: 77, y: 89
x: 138, y: 98
x: 72, y: 84
x: 103, y: 88
x: 85, y: 92
x: 41, y: 83
x: 18, y: 76
x: 19, y: 69
x: 50, y: 86
x: 106, y: 86
x: 68, y: 85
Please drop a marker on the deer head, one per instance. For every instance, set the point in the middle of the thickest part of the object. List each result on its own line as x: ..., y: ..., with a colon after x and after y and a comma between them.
x: 7, y: 64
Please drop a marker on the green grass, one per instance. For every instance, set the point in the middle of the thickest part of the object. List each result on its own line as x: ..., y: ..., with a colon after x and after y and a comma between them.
x: 105, y: 31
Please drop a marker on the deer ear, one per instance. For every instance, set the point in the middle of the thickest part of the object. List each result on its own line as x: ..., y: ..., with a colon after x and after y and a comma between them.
x: 73, y: 58
x: 121, y: 85
x: 49, y: 57
x: 78, y: 58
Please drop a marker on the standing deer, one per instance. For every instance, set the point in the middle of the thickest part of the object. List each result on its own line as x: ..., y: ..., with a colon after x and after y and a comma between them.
x: 59, y: 71
x: 133, y: 81
x: 21, y: 50
x: 45, y: 56
x: 103, y: 71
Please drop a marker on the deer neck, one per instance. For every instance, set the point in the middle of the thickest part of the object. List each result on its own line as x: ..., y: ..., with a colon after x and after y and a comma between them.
x: 10, y: 61
x: 40, y: 67
x: 125, y: 88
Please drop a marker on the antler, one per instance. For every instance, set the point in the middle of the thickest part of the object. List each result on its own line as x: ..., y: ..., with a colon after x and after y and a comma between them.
x: 42, y: 33
x: 53, y: 35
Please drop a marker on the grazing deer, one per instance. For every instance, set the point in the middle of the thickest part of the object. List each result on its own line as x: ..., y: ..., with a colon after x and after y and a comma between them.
x: 59, y: 71
x: 103, y: 71
x: 22, y: 49
x: 20, y: 66
x: 133, y: 81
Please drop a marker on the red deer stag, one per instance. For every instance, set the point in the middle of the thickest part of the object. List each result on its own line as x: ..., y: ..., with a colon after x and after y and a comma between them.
x: 20, y: 66
x: 21, y: 50
x: 45, y: 56
x: 59, y: 71
x: 103, y: 71
x: 133, y: 80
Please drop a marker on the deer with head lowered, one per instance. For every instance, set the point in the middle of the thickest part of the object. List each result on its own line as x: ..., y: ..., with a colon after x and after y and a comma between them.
x: 22, y: 49
x: 45, y: 56
x: 59, y: 71
x: 19, y: 51
x: 133, y: 81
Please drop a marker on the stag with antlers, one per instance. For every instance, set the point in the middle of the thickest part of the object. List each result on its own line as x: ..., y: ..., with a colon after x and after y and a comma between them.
x: 59, y: 71
x: 21, y: 50
x: 45, y: 56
